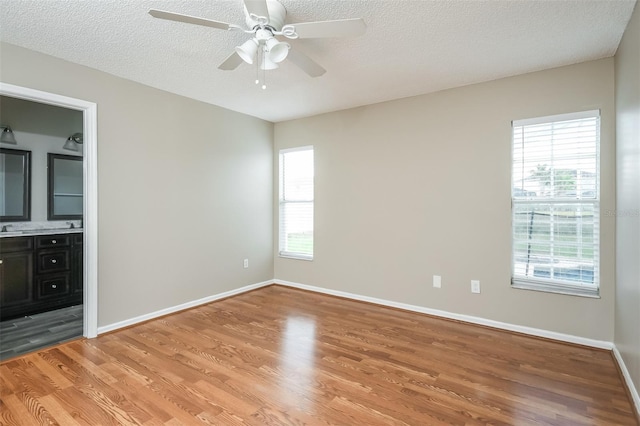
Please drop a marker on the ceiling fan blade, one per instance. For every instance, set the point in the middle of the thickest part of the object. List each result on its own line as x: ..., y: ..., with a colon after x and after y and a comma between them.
x: 188, y: 19
x: 305, y: 63
x: 257, y: 7
x: 337, y: 28
x: 231, y: 63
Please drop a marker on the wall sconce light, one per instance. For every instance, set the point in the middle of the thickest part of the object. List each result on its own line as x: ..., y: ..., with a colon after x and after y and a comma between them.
x: 7, y: 135
x: 73, y: 142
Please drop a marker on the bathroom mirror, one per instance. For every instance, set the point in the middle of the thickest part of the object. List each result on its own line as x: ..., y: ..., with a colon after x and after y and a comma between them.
x: 15, y: 185
x: 64, y: 187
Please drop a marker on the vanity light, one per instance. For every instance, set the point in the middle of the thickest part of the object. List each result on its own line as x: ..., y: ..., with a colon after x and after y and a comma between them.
x: 70, y: 145
x: 7, y: 135
x: 73, y: 142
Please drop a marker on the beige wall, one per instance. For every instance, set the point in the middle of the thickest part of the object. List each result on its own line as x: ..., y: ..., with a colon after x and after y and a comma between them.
x: 627, y: 316
x: 421, y: 186
x: 404, y: 190
x: 184, y: 188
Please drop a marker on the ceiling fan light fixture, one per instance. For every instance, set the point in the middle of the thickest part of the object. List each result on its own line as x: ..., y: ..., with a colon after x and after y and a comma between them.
x: 247, y: 50
x: 277, y: 50
x: 267, y: 64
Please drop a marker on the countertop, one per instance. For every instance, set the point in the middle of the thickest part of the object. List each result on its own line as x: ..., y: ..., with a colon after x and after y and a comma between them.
x: 30, y: 232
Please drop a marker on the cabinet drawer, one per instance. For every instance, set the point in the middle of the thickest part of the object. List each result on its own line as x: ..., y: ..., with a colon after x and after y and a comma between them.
x: 52, y: 261
x: 13, y: 244
x: 52, y: 241
x: 52, y: 286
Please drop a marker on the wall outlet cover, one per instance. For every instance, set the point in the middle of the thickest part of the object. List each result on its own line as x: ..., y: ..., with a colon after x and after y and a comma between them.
x: 475, y: 286
x: 437, y: 281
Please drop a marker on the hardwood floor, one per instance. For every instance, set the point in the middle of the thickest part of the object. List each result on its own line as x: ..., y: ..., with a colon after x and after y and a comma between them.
x: 280, y: 356
x: 23, y: 335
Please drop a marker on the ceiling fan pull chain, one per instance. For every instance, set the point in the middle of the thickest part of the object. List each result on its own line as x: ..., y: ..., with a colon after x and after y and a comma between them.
x: 258, y: 67
x: 264, y: 69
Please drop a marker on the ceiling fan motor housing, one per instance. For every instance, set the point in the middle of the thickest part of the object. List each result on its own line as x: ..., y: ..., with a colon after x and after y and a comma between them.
x: 276, y: 18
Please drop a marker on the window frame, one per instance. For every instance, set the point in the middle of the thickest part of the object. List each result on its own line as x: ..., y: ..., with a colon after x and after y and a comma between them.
x: 549, y: 285
x: 282, y: 203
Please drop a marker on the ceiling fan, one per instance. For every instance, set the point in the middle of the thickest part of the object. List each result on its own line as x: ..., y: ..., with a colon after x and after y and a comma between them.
x: 265, y: 19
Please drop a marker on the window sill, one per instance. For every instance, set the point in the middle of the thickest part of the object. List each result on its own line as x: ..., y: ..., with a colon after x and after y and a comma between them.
x: 296, y: 256
x: 554, y: 288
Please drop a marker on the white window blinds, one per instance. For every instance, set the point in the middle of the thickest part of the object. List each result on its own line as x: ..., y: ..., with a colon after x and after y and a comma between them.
x: 555, y: 203
x: 296, y: 203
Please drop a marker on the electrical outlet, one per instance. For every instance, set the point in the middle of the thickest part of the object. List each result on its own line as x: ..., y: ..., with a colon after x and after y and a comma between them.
x: 475, y: 286
x: 437, y: 281
x: 246, y: 263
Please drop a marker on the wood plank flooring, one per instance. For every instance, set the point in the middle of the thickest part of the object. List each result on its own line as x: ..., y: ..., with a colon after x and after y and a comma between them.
x: 280, y: 356
x: 23, y: 335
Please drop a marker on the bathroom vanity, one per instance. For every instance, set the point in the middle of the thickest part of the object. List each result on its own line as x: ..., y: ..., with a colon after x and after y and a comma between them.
x: 41, y: 209
x: 40, y: 270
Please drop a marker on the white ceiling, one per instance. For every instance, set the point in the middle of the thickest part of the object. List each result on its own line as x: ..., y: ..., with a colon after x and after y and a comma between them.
x: 410, y: 47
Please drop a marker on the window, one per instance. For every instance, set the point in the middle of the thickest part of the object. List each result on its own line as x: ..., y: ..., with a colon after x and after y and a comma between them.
x: 555, y: 203
x: 296, y: 203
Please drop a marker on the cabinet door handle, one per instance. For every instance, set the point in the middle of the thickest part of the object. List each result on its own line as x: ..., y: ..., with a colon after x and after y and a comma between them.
x: 54, y: 286
x: 54, y: 261
x: 53, y: 241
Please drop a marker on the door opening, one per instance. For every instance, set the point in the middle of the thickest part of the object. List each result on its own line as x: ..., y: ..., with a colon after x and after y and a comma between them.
x: 90, y: 193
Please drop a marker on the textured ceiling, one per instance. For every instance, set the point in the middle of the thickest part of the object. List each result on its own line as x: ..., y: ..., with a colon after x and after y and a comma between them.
x: 409, y: 48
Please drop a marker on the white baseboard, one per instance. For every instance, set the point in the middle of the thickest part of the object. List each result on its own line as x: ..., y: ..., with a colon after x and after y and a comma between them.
x: 414, y: 308
x: 627, y: 378
x: 486, y: 322
x: 459, y: 317
x: 181, y: 307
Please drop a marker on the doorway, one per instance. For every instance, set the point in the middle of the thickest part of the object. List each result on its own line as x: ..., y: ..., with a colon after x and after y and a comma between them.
x: 90, y: 194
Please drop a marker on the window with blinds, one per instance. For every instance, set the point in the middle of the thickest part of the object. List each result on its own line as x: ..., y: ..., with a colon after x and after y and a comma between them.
x: 296, y: 203
x: 555, y: 203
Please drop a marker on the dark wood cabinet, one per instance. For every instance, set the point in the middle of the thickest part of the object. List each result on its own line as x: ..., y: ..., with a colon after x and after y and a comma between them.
x: 16, y: 273
x: 40, y: 273
x: 77, y: 265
